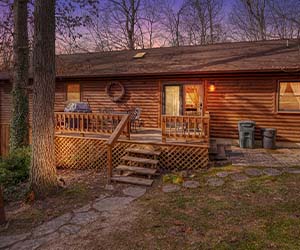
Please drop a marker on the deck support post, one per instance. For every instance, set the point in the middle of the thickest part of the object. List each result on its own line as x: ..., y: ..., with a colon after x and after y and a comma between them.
x: 2, y: 212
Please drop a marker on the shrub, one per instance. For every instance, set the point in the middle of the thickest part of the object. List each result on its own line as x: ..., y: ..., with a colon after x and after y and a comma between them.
x: 15, y: 168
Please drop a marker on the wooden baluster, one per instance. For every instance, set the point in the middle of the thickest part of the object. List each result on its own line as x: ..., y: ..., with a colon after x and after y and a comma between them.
x: 65, y: 125
x: 188, y: 118
x: 195, y: 127
x: 175, y: 127
x: 97, y: 123
x: 71, y: 122
x: 163, y: 131
x: 183, y: 125
x: 128, y: 127
x: 102, y: 123
x: 170, y: 126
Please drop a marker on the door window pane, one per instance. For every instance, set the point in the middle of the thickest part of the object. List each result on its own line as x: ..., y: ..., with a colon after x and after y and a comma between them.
x: 192, y: 99
x: 172, y: 100
x: 289, y: 96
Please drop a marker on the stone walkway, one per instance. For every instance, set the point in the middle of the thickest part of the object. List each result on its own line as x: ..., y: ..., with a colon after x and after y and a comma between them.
x: 265, y: 158
x: 104, y: 210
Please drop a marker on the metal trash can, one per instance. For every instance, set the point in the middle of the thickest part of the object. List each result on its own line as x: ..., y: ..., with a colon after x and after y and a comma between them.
x: 246, y: 134
x: 269, y: 138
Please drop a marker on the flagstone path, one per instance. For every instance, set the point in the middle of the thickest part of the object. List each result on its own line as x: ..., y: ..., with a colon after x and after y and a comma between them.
x: 106, y: 210
x: 264, y: 158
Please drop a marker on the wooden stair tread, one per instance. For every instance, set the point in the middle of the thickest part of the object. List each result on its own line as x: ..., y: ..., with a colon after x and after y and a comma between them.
x: 138, y: 170
x: 139, y: 160
x: 142, y: 151
x: 132, y: 180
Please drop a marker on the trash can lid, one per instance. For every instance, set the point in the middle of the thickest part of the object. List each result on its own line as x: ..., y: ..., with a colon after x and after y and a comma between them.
x: 269, y: 129
x: 247, y: 122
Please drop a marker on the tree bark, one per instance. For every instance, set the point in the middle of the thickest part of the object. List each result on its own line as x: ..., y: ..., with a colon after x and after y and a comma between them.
x: 19, y: 121
x: 43, y: 178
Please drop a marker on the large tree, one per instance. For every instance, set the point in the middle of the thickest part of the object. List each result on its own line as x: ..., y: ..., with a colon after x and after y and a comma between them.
x: 203, y: 22
x: 249, y: 19
x: 19, y: 121
x: 43, y: 178
x: 174, y: 14
x: 6, y: 35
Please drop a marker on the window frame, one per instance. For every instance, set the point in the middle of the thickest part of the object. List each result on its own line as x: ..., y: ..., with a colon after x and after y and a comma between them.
x: 278, y: 98
x: 181, y: 84
x: 66, y: 91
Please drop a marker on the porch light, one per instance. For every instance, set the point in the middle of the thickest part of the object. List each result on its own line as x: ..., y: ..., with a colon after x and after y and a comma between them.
x: 211, y: 87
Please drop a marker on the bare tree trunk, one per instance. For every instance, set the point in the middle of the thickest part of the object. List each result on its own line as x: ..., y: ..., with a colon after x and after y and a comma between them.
x: 43, y: 178
x: 19, y: 121
x: 2, y: 212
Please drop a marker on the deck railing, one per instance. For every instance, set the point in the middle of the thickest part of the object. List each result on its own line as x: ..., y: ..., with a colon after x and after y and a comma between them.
x: 186, y: 127
x: 86, y: 123
x: 123, y: 125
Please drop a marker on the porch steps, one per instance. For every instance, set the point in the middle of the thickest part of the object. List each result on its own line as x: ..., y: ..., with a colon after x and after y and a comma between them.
x: 138, y: 170
x: 132, y: 180
x: 142, y: 151
x: 139, y: 160
x: 137, y: 167
x: 219, y: 152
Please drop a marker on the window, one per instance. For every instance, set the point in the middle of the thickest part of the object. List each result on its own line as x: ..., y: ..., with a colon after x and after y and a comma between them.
x: 289, y: 96
x: 192, y: 99
x: 73, y: 92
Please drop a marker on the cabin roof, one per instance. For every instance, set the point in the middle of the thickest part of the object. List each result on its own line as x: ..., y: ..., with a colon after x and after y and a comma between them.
x: 262, y: 56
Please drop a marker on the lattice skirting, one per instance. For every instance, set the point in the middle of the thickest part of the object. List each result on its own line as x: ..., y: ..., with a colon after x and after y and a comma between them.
x: 91, y: 153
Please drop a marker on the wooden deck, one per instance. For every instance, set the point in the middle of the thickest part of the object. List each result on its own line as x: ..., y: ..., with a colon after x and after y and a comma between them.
x: 103, y: 141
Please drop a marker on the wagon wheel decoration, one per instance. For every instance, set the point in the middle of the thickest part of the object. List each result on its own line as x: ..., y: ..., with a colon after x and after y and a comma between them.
x: 115, y: 98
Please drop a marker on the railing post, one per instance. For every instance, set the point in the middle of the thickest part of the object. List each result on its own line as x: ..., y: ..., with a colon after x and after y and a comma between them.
x: 2, y: 212
x: 128, y: 127
x: 163, y: 129
x: 109, y: 164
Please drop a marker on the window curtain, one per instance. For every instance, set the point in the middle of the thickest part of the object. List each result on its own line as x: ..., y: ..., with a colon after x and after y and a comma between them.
x: 283, y: 86
x: 172, y: 100
x: 194, y: 95
x: 296, y: 89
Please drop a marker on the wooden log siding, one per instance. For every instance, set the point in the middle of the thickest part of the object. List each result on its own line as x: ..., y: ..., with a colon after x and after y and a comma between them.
x: 4, y: 139
x: 5, y: 109
x: 143, y: 94
x: 235, y: 100
x: 5, y: 103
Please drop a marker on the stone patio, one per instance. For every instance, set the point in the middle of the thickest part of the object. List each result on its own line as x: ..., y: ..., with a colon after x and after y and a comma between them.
x: 264, y: 158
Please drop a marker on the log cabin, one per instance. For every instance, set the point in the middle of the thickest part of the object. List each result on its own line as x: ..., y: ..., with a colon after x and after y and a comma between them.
x: 190, y: 92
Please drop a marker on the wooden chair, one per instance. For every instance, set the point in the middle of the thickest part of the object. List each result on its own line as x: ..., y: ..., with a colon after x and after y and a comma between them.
x: 135, y: 120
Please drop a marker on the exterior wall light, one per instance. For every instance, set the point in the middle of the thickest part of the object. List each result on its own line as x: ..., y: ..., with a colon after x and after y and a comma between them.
x: 211, y: 87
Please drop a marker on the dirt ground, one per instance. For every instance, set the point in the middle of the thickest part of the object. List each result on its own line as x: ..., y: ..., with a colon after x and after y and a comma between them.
x: 81, y: 187
x: 261, y: 212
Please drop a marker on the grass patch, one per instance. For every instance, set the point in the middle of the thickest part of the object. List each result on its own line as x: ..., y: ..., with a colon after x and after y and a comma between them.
x: 257, y: 214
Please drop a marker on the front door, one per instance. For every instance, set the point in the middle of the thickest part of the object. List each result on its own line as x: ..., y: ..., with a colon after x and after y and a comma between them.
x: 183, y: 99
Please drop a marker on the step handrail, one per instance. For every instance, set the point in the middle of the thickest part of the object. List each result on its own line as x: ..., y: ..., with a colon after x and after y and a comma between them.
x: 124, y: 123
